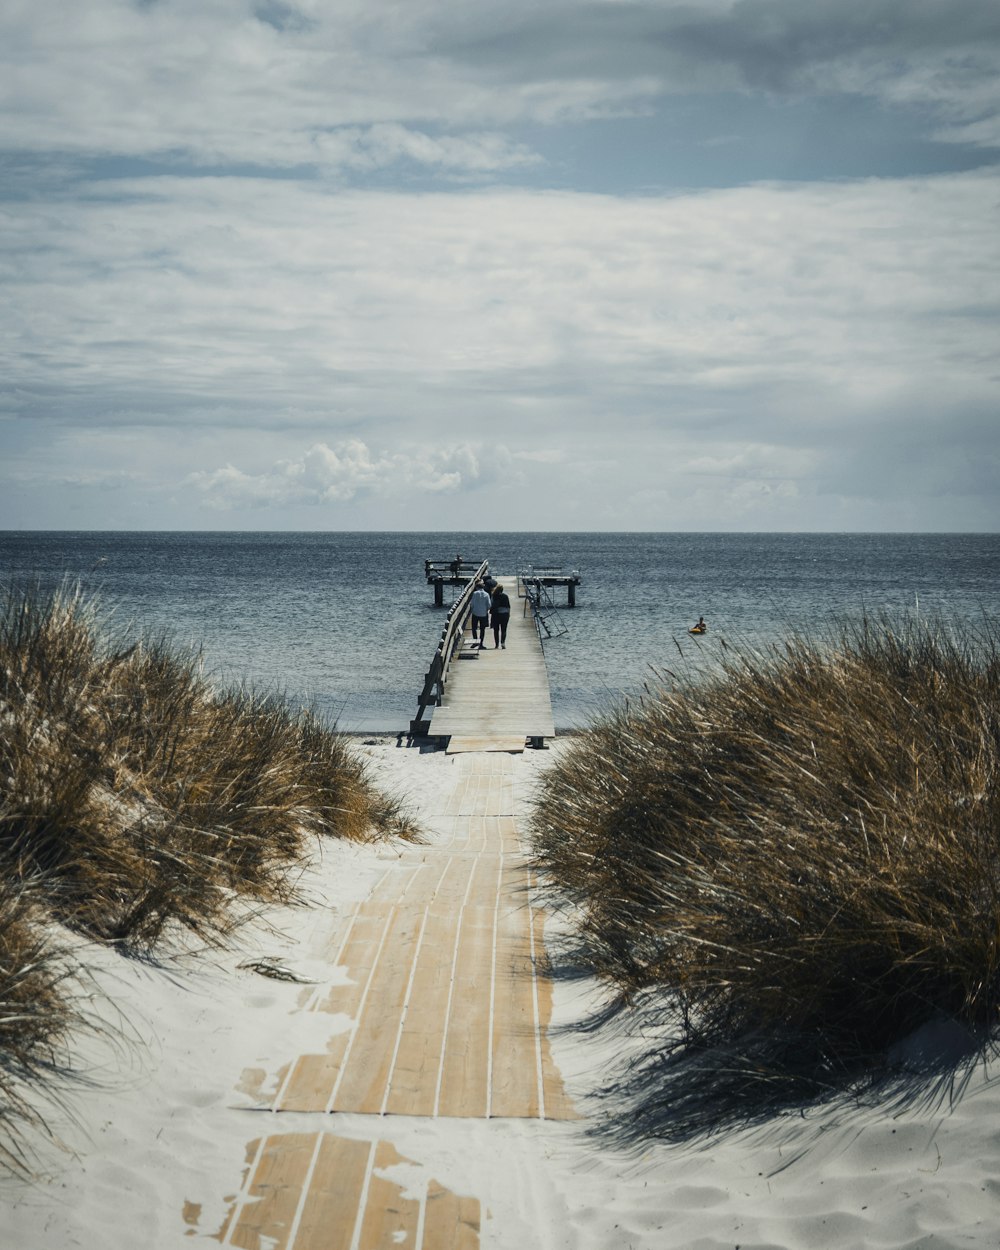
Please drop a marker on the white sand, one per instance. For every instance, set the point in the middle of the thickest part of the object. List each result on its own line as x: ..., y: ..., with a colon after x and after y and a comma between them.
x: 153, y: 1150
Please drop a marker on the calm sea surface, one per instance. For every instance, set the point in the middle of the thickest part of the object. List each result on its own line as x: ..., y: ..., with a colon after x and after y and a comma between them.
x: 346, y: 621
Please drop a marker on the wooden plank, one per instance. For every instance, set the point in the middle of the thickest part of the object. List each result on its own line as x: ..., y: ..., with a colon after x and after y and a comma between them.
x: 557, y: 1105
x: 333, y: 1203
x: 362, y: 1082
x: 264, y: 1219
x: 482, y: 795
x: 488, y: 835
x: 413, y: 1079
x: 307, y: 1085
x: 378, y: 935
x: 508, y: 839
x: 318, y: 1191
x: 450, y: 1222
x: 458, y: 746
x: 464, y: 1066
x: 486, y: 764
x: 390, y: 1219
x: 514, y: 1088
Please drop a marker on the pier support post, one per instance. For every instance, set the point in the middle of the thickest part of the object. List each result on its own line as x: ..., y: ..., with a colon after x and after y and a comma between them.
x: 439, y: 592
x: 571, y: 591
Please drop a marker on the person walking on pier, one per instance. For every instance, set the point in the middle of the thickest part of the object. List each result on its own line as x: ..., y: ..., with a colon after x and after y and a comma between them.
x: 500, y: 617
x: 480, y: 604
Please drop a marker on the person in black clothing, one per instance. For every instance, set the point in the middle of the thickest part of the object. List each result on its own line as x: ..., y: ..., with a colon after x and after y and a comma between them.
x: 499, y: 617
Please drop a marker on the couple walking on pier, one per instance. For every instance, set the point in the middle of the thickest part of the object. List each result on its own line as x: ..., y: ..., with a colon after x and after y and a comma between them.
x: 493, y: 606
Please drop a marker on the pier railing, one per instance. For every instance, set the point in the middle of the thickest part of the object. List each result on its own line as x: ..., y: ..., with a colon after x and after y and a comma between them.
x: 451, y: 637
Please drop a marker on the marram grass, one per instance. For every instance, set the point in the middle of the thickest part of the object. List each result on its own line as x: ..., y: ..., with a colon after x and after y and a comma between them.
x: 138, y: 800
x: 796, y: 860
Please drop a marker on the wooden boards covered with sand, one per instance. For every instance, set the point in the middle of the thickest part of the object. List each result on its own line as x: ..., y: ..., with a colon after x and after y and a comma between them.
x: 440, y: 1009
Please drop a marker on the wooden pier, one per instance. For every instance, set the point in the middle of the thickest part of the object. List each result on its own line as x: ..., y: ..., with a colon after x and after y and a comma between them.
x: 487, y: 699
x: 438, y: 1003
x: 459, y: 572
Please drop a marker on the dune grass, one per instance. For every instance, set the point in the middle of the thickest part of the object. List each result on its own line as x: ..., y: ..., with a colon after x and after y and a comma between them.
x: 138, y: 801
x: 794, y: 863
x: 36, y: 1015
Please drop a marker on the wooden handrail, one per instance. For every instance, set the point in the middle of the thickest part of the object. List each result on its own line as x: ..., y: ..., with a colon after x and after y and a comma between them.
x: 451, y: 636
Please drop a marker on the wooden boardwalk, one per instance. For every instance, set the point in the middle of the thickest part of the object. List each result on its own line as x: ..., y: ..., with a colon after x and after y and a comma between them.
x: 497, y: 699
x: 443, y: 1012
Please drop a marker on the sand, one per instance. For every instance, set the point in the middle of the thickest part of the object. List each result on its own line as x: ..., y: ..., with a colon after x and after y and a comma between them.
x: 152, y: 1150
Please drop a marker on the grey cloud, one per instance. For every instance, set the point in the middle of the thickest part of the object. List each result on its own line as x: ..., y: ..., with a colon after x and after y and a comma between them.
x: 634, y: 333
x: 294, y: 303
x: 779, y: 43
x: 923, y: 447
x: 283, y: 17
x: 944, y: 53
x: 326, y: 475
x: 209, y: 84
x: 769, y: 42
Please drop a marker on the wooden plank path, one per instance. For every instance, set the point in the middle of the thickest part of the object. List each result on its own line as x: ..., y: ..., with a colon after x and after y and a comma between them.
x: 447, y: 1008
x: 497, y: 699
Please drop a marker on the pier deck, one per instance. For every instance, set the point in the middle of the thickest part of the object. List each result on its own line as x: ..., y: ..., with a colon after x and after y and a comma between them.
x: 497, y: 699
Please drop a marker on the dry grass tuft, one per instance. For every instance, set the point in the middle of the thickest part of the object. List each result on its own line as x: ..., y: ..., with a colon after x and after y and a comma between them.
x: 35, y: 1019
x: 796, y: 861
x: 136, y: 798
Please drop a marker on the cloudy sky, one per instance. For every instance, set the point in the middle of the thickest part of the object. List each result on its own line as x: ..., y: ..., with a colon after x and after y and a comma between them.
x: 526, y: 264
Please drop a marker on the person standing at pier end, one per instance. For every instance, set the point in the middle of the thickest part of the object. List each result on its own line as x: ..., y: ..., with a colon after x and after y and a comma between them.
x: 480, y: 605
x: 500, y: 617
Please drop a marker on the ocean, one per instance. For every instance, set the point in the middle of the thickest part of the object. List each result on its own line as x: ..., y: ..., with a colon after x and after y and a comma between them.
x: 346, y: 622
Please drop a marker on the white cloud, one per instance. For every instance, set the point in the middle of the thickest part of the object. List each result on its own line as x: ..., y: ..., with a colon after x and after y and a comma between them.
x: 337, y: 475
x: 328, y: 475
x: 388, y: 143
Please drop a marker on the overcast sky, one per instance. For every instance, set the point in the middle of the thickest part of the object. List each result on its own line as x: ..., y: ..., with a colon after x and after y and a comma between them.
x: 526, y: 264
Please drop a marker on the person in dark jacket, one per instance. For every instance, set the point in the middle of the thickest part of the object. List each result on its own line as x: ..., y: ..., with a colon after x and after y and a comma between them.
x: 499, y: 617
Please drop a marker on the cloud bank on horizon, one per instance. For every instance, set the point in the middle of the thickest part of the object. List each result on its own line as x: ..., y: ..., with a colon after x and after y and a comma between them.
x: 600, y: 264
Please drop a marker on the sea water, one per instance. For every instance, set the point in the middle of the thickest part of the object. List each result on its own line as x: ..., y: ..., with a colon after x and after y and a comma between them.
x: 346, y: 622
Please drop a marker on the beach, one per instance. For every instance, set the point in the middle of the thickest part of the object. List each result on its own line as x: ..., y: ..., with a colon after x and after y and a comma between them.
x: 153, y: 1145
